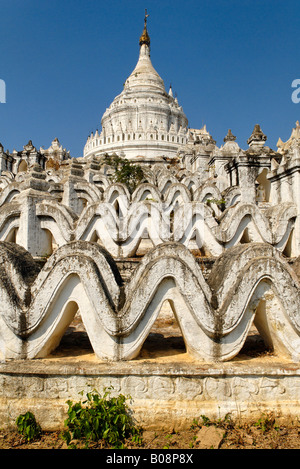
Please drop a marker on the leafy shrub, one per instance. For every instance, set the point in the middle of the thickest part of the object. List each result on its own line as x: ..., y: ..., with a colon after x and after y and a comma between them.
x: 28, y: 426
x: 100, y: 418
x: 124, y: 171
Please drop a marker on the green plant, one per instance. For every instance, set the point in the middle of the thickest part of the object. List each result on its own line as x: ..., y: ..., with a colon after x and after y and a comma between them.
x: 28, y: 426
x: 195, y: 424
x: 266, y: 422
x: 191, y: 444
x: 220, y: 202
x: 100, y: 418
x: 206, y: 422
x: 124, y: 171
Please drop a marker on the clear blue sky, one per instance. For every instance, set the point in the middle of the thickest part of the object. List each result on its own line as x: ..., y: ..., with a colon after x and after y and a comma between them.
x: 231, y: 63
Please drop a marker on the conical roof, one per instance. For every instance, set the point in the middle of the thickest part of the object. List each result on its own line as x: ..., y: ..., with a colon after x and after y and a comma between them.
x: 144, y: 76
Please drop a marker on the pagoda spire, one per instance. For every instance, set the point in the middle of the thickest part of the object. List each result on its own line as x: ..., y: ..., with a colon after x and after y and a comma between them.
x: 145, y: 39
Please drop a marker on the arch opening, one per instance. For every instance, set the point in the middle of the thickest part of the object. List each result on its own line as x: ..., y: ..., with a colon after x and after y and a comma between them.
x: 289, y: 248
x: 12, y: 236
x: 75, y: 340
x: 165, y: 338
x: 270, y: 331
x: 22, y: 166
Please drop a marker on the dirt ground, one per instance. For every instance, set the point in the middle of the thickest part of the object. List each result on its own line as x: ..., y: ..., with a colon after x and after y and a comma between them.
x: 263, y: 434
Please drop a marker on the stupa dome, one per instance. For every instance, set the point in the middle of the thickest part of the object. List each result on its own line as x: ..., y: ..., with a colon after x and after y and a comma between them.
x: 144, y: 121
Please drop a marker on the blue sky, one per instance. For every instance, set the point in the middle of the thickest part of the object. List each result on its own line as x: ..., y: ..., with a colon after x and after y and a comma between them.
x: 230, y: 62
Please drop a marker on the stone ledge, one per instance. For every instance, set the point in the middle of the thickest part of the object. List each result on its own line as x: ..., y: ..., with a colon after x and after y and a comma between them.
x: 93, y: 367
x: 164, y: 395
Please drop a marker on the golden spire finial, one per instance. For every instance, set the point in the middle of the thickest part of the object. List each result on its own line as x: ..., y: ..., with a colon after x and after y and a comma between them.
x: 146, y: 16
x: 145, y: 39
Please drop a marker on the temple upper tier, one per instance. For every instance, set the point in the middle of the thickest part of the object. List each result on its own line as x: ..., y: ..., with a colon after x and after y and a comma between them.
x: 144, y: 121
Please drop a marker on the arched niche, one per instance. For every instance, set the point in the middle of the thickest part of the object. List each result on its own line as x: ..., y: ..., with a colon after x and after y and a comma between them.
x: 22, y: 166
x: 263, y: 187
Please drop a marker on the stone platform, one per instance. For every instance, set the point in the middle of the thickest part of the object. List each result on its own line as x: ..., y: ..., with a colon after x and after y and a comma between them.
x: 168, y: 388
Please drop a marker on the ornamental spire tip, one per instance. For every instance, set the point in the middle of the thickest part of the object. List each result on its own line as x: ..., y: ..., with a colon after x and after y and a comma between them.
x: 145, y: 39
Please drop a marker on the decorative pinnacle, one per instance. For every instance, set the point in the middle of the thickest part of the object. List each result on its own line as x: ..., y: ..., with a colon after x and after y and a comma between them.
x: 145, y: 39
x: 146, y: 16
x: 229, y: 137
x: 257, y: 136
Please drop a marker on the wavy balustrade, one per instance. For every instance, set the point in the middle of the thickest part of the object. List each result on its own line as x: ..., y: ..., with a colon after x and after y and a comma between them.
x: 248, y: 284
x: 120, y: 225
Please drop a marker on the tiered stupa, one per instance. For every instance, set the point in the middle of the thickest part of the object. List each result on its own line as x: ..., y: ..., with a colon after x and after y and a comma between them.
x: 144, y: 122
